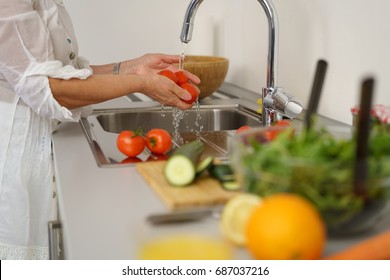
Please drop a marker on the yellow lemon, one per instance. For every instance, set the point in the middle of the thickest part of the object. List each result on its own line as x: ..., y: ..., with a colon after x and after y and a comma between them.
x: 235, y: 215
x: 185, y: 247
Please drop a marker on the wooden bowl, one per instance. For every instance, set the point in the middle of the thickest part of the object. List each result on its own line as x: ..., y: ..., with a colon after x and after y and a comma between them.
x: 211, y: 70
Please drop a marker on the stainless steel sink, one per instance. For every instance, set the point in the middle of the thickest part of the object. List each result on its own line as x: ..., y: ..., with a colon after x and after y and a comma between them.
x: 215, y: 125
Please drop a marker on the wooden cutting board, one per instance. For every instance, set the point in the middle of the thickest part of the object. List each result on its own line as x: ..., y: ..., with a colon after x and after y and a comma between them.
x: 205, y: 191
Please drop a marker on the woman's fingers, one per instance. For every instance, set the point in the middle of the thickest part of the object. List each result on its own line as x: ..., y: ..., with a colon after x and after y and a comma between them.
x: 193, y: 78
x: 168, y: 92
x: 170, y: 59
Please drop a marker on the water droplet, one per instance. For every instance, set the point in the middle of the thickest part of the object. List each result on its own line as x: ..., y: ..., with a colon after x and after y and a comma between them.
x: 182, y: 56
x: 177, y: 115
x: 198, y: 119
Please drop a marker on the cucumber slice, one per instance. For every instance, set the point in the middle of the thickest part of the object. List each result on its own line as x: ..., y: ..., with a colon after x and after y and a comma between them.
x: 193, y: 150
x: 231, y: 185
x: 179, y: 170
x: 204, y: 165
x: 222, y: 172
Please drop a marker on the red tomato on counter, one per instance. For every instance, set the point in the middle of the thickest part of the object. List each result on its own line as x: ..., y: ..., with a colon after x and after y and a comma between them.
x: 242, y: 128
x: 270, y: 135
x: 130, y: 143
x: 283, y: 122
x: 158, y: 141
x: 131, y: 160
x: 157, y: 157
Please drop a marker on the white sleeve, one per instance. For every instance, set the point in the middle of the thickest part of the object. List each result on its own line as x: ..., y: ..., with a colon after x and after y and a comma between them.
x: 27, y: 60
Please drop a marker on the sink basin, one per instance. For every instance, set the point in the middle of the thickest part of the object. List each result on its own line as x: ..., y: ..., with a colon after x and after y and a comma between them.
x: 215, y: 125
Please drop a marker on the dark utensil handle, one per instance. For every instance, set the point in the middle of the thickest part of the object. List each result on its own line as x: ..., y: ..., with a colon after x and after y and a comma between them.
x: 316, y: 90
x: 179, y: 217
x: 362, y: 137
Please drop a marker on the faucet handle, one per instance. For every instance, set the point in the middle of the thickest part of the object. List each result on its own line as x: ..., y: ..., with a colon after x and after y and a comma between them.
x: 281, y: 102
x: 293, y: 109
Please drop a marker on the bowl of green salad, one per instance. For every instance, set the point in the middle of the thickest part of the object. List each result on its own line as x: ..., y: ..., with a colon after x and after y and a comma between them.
x: 319, y: 166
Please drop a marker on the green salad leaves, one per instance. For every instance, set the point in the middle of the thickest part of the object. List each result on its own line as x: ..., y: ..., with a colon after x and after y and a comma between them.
x: 319, y: 166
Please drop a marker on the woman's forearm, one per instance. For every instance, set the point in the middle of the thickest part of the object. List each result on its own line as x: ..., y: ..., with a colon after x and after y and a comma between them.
x: 137, y: 75
x: 76, y: 93
x: 103, y: 69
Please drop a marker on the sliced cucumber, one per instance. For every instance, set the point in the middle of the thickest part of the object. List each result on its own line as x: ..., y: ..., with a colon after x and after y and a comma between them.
x: 225, y: 175
x: 204, y: 165
x: 180, y: 169
x: 193, y: 150
x: 231, y: 185
x: 222, y: 172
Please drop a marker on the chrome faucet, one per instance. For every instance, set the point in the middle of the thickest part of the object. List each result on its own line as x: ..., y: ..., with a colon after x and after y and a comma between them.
x: 275, y: 101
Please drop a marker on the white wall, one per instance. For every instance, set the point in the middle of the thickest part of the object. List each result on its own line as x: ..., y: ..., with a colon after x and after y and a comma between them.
x: 352, y: 35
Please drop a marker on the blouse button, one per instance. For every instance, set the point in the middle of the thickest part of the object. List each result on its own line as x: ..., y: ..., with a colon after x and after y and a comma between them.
x: 72, y: 55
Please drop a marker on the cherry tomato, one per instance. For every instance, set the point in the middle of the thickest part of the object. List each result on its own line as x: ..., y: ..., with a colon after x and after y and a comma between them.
x: 242, y: 128
x: 130, y: 143
x: 158, y: 141
x: 169, y: 74
x: 157, y: 157
x: 283, y: 122
x: 181, y: 77
x: 131, y: 160
x: 192, y: 90
x: 270, y: 135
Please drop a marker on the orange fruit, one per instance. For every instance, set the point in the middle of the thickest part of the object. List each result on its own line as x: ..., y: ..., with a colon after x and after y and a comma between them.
x: 285, y: 226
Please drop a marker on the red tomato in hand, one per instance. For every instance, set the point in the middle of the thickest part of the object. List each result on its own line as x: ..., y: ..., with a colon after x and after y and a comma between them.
x: 169, y: 74
x: 192, y: 90
x: 181, y: 77
x: 158, y: 141
x: 130, y: 143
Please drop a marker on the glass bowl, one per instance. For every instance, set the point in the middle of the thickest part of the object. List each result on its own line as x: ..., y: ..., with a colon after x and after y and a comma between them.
x: 320, y: 168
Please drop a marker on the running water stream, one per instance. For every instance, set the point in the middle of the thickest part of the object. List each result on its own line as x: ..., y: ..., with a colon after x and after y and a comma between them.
x: 179, y: 114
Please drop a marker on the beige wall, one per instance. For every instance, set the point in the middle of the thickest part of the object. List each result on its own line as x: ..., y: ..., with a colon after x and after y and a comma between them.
x: 352, y: 35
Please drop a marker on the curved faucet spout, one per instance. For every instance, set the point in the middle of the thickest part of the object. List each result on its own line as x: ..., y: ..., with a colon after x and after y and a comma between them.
x: 188, y: 26
x: 267, y: 116
x: 272, y: 41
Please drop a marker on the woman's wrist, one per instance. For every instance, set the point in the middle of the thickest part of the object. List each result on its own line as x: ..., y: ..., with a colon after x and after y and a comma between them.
x: 116, y: 69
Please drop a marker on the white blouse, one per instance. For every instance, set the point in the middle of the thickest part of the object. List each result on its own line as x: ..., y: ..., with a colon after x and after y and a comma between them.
x: 37, y: 41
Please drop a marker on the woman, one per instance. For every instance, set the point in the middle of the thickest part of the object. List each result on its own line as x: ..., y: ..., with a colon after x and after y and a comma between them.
x: 43, y: 81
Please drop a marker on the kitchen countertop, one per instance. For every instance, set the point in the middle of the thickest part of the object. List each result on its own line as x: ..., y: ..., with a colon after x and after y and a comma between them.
x: 103, y: 210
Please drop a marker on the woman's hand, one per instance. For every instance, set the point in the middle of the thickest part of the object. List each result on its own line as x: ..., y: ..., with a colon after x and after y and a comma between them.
x: 158, y: 87
x: 153, y: 63
x: 75, y: 93
x: 136, y: 75
x: 165, y: 91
